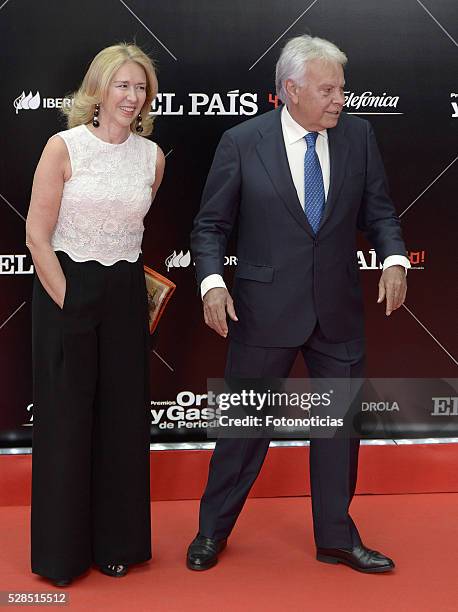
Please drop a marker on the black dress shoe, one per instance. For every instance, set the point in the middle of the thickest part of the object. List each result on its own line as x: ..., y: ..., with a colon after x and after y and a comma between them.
x: 360, y: 558
x: 203, y: 552
x: 114, y: 570
x: 62, y: 582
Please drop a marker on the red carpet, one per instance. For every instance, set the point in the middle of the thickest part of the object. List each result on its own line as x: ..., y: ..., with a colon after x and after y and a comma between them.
x: 269, y: 563
x: 182, y: 474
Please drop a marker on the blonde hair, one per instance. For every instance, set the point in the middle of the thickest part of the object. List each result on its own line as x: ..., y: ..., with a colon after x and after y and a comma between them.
x: 97, y: 80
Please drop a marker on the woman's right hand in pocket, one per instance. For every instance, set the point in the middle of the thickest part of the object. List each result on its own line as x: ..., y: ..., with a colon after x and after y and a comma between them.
x: 62, y: 299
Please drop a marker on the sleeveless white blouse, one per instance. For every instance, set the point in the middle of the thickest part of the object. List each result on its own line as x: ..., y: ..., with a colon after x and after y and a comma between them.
x: 106, y: 199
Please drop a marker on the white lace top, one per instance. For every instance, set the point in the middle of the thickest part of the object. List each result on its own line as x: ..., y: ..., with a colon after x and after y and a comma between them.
x: 107, y: 197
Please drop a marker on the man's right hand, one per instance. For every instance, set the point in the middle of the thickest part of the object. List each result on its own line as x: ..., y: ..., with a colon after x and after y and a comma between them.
x: 216, y: 303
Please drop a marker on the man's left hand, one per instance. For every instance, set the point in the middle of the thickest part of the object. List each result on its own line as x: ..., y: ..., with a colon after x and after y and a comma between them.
x: 393, y: 287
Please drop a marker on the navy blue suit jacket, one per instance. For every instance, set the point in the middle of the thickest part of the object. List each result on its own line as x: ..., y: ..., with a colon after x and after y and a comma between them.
x: 287, y: 278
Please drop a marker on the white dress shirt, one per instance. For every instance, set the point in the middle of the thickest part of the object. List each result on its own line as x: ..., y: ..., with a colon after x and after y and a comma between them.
x: 296, y: 146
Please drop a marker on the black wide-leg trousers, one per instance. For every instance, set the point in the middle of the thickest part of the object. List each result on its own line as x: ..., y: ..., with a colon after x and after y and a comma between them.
x: 91, y: 430
x: 236, y: 463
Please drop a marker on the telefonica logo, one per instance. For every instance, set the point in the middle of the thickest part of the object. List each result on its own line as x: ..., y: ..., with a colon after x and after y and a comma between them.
x: 32, y: 102
x: 368, y: 100
x: 27, y: 102
x: 365, y: 103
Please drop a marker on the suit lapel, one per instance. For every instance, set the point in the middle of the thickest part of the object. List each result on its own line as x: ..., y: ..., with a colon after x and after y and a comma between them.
x: 272, y: 152
x: 338, y: 154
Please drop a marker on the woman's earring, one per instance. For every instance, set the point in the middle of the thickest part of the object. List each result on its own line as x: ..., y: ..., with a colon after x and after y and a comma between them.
x: 95, y: 120
x: 139, y: 127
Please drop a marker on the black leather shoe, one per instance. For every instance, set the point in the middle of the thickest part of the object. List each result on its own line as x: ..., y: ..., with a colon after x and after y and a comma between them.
x: 360, y: 558
x: 114, y: 570
x: 203, y: 552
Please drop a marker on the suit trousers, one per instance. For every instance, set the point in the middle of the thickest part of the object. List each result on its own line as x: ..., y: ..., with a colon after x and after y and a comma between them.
x: 91, y: 431
x: 236, y: 463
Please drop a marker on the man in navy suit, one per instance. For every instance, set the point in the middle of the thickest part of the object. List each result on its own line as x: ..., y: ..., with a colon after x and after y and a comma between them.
x: 299, y: 181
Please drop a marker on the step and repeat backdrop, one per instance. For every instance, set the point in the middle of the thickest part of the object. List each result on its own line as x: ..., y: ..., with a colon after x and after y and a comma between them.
x: 216, y: 63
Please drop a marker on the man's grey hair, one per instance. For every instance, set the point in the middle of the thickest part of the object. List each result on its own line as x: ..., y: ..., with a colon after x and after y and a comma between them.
x: 297, y: 51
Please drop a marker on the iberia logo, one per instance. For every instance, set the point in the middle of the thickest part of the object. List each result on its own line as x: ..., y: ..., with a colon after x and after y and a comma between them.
x: 27, y: 102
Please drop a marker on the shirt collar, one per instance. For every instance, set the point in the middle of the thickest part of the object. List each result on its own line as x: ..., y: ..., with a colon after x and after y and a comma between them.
x: 293, y: 131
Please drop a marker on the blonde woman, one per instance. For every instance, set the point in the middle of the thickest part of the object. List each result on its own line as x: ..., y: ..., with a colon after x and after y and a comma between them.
x: 92, y: 188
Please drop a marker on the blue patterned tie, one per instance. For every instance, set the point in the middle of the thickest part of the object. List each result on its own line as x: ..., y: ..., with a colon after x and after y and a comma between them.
x: 313, y: 183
